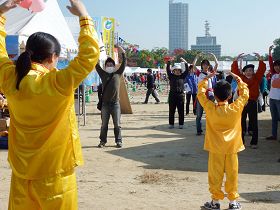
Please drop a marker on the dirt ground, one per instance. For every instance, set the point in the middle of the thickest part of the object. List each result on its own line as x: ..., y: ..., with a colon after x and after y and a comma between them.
x: 161, y: 168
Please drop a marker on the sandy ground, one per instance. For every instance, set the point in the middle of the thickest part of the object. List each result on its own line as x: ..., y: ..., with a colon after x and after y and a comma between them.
x: 161, y: 168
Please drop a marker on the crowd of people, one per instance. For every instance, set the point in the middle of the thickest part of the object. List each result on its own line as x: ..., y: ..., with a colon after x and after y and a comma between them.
x: 44, y: 143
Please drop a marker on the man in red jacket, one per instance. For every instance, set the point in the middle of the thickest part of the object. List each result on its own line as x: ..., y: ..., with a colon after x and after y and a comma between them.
x: 253, y: 81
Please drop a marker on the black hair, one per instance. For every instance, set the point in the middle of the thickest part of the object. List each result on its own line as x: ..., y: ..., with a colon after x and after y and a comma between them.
x: 205, y: 62
x: 149, y: 70
x: 277, y: 62
x: 248, y: 66
x: 222, y: 90
x: 110, y: 60
x: 39, y: 47
x: 190, y: 67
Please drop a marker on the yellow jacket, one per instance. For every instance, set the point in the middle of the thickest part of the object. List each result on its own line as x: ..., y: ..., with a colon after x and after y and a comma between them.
x: 43, y: 134
x: 223, y: 121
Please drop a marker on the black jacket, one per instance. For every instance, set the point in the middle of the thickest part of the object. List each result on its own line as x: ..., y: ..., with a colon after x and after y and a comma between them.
x: 177, y: 82
x: 150, y: 81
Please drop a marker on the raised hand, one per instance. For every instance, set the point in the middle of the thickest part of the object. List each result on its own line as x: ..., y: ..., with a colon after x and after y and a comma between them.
x: 183, y: 60
x: 239, y: 56
x: 8, y: 5
x: 121, y: 49
x: 257, y: 55
x: 233, y: 75
x: 77, y: 8
x: 270, y: 49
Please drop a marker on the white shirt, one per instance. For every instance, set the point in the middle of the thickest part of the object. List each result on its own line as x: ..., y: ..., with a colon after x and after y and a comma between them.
x: 274, y: 92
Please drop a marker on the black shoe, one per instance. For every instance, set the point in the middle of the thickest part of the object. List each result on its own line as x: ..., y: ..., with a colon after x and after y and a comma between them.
x: 144, y: 102
x: 211, y: 206
x: 158, y: 102
x: 272, y: 138
x: 101, y: 144
x: 119, y: 144
x: 234, y: 206
x: 199, y: 133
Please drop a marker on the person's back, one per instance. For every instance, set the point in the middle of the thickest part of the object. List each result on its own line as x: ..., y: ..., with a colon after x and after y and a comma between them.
x: 44, y: 143
x: 223, y: 139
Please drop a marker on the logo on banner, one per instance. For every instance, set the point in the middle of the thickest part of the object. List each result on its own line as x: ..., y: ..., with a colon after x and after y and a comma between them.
x: 108, y: 24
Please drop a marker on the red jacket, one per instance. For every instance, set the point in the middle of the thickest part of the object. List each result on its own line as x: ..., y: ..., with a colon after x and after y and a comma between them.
x: 254, y: 82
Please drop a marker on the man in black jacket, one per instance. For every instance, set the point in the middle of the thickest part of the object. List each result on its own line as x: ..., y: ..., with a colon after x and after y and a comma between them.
x: 150, y: 87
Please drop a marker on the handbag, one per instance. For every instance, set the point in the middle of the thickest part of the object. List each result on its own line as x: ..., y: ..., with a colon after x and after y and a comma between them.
x: 99, y: 104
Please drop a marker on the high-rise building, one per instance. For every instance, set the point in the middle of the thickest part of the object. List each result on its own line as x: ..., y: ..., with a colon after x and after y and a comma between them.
x: 207, y: 43
x: 178, y: 25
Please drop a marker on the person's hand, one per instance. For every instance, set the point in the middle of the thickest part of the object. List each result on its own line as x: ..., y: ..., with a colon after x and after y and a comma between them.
x: 77, y: 8
x: 121, y: 49
x: 241, y: 55
x: 233, y: 75
x: 8, y: 5
x: 183, y: 60
x: 270, y: 49
x: 212, y: 74
x: 257, y: 55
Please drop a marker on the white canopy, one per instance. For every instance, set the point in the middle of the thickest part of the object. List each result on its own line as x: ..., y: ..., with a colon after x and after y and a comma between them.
x: 23, y: 23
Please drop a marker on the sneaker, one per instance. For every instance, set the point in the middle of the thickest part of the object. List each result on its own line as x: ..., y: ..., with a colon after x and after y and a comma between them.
x: 181, y: 126
x: 171, y: 126
x: 101, y: 144
x: 253, y: 146
x: 119, y: 144
x: 211, y: 205
x: 272, y: 138
x: 234, y: 206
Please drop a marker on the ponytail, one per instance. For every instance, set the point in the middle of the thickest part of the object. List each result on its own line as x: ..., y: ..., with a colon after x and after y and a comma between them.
x: 23, y: 66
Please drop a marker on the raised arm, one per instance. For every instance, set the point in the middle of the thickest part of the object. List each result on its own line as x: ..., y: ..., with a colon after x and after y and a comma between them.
x: 195, y: 61
x: 5, y: 62
x: 168, y: 70
x: 270, y: 60
x: 70, y: 77
x: 186, y: 72
x: 243, y: 93
x: 216, y: 62
x: 234, y: 65
x: 202, y: 91
x: 122, y: 66
x: 262, y: 67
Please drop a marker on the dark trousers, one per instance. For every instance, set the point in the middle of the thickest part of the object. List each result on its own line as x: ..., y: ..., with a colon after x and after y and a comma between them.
x: 107, y: 110
x: 188, y: 98
x: 251, y: 109
x: 176, y: 100
x: 149, y: 92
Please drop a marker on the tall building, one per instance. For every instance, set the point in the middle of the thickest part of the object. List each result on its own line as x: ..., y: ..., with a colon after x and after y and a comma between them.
x: 178, y: 25
x: 207, y: 43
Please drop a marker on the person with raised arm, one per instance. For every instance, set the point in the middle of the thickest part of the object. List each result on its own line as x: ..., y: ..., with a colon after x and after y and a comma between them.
x: 223, y: 139
x: 253, y: 81
x: 274, y: 94
x: 111, y: 80
x: 176, y: 76
x: 44, y: 142
x: 206, y: 68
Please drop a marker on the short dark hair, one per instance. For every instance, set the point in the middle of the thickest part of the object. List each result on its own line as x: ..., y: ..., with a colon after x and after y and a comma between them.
x: 222, y: 90
x: 248, y: 66
x: 149, y: 70
x: 205, y: 62
x: 277, y: 62
x: 110, y: 60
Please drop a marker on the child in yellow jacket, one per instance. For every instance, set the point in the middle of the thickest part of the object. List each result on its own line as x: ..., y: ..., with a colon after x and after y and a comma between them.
x: 223, y: 139
x: 44, y: 142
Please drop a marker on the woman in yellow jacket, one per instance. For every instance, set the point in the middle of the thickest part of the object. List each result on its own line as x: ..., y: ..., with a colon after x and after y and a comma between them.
x: 44, y: 143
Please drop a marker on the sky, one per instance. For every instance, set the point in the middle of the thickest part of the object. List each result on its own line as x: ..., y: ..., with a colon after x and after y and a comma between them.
x: 239, y: 25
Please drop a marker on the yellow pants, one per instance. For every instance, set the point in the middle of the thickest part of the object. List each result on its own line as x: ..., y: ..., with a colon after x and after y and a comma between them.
x: 55, y: 193
x: 218, y: 165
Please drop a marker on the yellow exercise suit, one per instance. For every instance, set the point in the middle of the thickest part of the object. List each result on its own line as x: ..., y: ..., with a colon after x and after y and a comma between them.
x: 44, y: 143
x: 223, y: 140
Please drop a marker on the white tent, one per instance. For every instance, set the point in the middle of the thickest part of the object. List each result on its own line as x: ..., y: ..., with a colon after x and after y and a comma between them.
x: 23, y: 23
